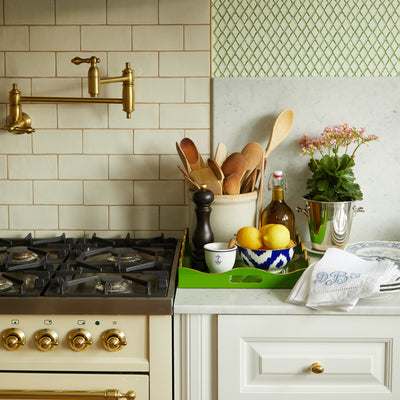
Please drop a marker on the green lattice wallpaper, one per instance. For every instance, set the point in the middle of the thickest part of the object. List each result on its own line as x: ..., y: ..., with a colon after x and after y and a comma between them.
x: 269, y: 38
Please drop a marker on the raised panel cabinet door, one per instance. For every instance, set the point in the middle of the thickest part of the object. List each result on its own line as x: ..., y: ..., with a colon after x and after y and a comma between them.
x: 308, y: 357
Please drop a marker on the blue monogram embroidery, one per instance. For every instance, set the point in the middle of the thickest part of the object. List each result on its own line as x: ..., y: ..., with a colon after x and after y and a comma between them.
x: 336, y: 277
x: 218, y: 259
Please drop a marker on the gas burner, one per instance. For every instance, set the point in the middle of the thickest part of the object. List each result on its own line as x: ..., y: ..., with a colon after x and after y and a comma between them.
x: 22, y: 254
x: 5, y: 284
x: 126, y: 254
x: 112, y: 284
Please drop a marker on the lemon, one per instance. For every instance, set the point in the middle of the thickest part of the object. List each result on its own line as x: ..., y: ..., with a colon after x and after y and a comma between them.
x: 276, y: 237
x: 265, y: 228
x: 249, y: 237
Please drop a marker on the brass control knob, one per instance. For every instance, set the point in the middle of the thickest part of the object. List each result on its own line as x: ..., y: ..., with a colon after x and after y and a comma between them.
x: 80, y: 339
x: 317, y: 368
x: 46, y: 340
x: 113, y: 340
x: 13, y: 339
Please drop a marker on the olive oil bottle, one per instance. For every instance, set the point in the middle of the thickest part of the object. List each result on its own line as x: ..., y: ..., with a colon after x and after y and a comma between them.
x: 278, y: 212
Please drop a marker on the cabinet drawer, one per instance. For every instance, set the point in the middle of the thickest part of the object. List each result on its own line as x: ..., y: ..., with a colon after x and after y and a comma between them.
x: 270, y: 357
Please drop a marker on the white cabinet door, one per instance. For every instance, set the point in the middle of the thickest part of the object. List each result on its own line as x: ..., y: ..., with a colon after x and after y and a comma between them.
x: 270, y: 357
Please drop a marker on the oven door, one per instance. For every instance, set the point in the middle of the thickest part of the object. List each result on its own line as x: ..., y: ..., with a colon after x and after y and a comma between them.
x: 70, y: 386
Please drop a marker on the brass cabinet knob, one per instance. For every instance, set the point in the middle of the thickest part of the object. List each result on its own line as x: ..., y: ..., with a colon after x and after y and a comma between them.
x: 113, y: 340
x: 46, y: 340
x: 80, y: 339
x: 13, y: 339
x: 317, y: 368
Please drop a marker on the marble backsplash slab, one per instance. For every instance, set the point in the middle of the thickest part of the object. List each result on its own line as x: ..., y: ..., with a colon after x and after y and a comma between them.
x: 244, y: 110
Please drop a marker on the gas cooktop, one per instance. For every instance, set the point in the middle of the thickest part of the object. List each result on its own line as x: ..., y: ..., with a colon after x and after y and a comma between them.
x: 93, y: 275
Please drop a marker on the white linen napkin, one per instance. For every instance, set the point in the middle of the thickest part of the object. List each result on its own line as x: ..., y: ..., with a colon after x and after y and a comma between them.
x: 340, y: 279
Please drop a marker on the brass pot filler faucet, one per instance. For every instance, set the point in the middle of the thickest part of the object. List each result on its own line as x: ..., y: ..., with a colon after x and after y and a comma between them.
x: 20, y: 122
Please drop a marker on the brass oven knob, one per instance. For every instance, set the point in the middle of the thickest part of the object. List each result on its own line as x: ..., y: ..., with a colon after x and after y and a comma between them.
x: 113, y: 340
x: 317, y: 368
x: 80, y: 339
x: 13, y: 339
x: 46, y: 340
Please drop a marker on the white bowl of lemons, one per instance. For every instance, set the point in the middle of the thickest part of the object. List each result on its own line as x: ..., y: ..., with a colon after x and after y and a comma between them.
x: 269, y: 248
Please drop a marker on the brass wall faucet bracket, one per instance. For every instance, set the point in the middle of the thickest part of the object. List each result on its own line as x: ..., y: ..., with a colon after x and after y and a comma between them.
x: 19, y: 122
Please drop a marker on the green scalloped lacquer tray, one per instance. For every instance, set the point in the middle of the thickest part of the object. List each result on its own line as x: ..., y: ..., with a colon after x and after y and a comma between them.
x: 240, y: 276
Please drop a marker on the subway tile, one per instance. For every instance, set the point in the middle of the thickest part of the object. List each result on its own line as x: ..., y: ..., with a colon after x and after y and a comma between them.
x: 144, y: 116
x: 156, y: 141
x: 32, y: 167
x: 57, y: 141
x: 11, y: 143
x: 83, y: 167
x: 3, y: 217
x: 1, y: 11
x: 14, y: 38
x: 54, y: 38
x: 202, y: 139
x: 173, y: 217
x: 78, y: 12
x: 197, y: 37
x: 197, y: 90
x: 82, y: 115
x: 57, y: 192
x: 106, y: 38
x: 6, y: 84
x: 159, y: 90
x: 132, y: 12
x: 42, y: 115
x: 107, y: 142
x: 30, y: 64
x: 83, y: 217
x: 134, y: 167
x: 134, y: 217
x: 38, y: 12
x: 184, y: 12
x: 3, y: 167
x: 143, y: 63
x: 16, y: 192
x: 65, y: 68
x: 184, y: 116
x: 157, y: 37
x: 169, y: 167
x: 41, y: 217
x: 108, y: 192
x: 158, y: 192
x: 57, y: 87
x: 2, y: 72
x: 190, y: 63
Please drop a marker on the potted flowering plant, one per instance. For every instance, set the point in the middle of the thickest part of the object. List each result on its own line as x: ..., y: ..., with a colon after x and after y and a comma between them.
x: 332, y: 187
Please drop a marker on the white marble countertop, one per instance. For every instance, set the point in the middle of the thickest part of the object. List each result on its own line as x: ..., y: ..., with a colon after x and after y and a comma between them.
x: 269, y: 301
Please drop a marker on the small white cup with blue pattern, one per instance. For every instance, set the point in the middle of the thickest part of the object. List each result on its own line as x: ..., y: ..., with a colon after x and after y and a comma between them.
x: 218, y: 257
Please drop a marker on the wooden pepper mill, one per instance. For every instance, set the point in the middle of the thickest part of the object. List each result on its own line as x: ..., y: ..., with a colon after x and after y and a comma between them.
x: 202, y: 233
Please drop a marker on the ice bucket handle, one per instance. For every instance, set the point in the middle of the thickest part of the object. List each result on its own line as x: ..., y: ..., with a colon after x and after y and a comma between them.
x: 304, y: 210
x: 358, y: 210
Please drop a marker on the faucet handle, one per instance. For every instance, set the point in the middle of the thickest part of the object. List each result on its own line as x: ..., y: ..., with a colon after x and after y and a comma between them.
x: 92, y: 60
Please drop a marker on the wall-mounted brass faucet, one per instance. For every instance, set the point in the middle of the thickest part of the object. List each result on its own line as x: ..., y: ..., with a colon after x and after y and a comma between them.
x: 19, y: 122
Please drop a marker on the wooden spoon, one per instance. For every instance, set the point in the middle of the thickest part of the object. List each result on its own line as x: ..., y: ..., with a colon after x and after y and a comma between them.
x: 183, y: 158
x: 192, y: 154
x: 232, y: 184
x: 252, y: 153
x: 235, y: 163
x: 205, y: 176
x: 216, y: 169
x: 220, y: 153
x: 282, y: 126
x: 192, y: 183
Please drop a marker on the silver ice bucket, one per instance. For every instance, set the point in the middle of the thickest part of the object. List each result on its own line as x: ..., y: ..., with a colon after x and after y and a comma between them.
x: 329, y: 222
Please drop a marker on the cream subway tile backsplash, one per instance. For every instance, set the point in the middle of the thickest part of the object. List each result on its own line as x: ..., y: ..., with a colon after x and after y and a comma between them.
x: 41, y: 217
x: 57, y: 192
x: 27, y: 64
x: 108, y: 192
x: 192, y: 63
x: 32, y: 167
x: 38, y: 12
x: 78, y: 12
x: 57, y: 141
x: 87, y: 167
x: 157, y: 37
x: 83, y: 217
x: 15, y: 192
x: 134, y: 217
x: 14, y: 38
x: 83, y: 166
x: 157, y: 141
x: 104, y: 141
x: 54, y: 38
x: 158, y: 192
x: 134, y: 167
x: 105, y: 37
